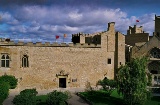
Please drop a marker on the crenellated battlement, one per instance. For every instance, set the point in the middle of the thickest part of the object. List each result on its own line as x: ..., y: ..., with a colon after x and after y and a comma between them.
x: 82, y: 38
x: 80, y: 34
x: 135, y: 29
x: 86, y: 35
x: 48, y: 44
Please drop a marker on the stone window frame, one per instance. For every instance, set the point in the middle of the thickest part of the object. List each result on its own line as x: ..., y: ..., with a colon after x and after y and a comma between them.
x: 154, y: 52
x: 22, y: 53
x: 25, y: 61
x: 109, y: 61
x: 5, y: 59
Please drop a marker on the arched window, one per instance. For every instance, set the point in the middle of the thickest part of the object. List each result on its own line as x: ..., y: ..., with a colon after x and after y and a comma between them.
x: 155, y: 53
x: 5, y: 60
x: 25, y: 62
x: 154, y: 67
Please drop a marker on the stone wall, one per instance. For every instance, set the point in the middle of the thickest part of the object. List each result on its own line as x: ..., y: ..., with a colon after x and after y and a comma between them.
x: 145, y: 49
x: 83, y: 64
x: 120, y: 49
x: 135, y: 38
x: 78, y: 63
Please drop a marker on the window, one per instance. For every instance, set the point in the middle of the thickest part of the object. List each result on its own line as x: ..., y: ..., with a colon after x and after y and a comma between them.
x: 155, y: 53
x: 109, y: 60
x: 25, y: 62
x: 120, y: 63
x: 5, y: 60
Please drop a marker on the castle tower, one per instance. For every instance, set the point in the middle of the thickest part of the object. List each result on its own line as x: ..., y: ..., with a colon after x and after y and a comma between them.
x: 134, y: 30
x: 157, y: 25
x: 136, y: 35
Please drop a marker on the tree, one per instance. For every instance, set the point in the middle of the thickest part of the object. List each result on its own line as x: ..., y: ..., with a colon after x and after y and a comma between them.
x: 132, y: 81
x: 4, y: 91
x: 10, y: 79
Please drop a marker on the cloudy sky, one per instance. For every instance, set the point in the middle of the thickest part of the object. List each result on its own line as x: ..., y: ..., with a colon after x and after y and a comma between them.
x: 42, y: 20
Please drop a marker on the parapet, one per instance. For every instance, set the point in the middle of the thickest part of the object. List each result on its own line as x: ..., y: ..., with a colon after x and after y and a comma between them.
x: 80, y: 34
x: 20, y: 43
x: 29, y: 44
x: 48, y: 44
x: 38, y: 44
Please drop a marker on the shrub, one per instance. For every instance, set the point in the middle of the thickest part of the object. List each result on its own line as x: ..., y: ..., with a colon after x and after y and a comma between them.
x: 26, y: 97
x: 4, y: 91
x: 57, y: 98
x: 10, y: 79
x: 108, y: 85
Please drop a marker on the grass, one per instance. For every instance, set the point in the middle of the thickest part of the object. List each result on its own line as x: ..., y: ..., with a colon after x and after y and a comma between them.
x: 100, y: 98
x: 41, y: 99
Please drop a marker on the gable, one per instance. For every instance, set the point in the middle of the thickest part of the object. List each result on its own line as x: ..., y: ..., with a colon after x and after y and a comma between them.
x: 143, y: 50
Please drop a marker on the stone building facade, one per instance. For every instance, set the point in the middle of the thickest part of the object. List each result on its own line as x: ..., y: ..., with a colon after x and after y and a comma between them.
x: 45, y: 66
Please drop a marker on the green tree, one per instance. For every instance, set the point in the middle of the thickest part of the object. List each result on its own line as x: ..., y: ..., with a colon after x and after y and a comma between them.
x: 4, y: 91
x: 10, y: 79
x: 132, y: 81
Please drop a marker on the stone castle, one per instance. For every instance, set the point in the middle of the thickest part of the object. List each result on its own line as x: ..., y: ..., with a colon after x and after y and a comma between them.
x: 89, y: 58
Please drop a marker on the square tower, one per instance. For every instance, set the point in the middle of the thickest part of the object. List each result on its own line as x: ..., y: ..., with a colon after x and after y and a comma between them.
x: 157, y: 25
